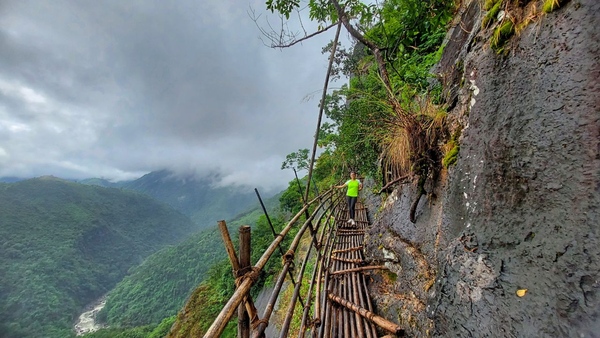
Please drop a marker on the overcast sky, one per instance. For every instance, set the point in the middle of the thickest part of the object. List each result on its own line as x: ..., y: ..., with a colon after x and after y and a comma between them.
x: 116, y: 89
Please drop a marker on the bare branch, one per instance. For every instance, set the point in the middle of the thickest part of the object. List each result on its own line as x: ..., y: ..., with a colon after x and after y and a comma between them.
x: 283, y: 37
x: 285, y: 45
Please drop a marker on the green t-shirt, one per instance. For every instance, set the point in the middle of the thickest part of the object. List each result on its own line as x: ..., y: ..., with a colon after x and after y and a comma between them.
x: 353, y: 186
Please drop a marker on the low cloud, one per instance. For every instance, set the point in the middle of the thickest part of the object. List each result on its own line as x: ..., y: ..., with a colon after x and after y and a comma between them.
x: 117, y: 89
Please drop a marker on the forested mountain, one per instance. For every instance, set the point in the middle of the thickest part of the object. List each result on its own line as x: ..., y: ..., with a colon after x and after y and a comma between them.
x: 158, y: 288
x: 64, y: 244
x: 197, y: 198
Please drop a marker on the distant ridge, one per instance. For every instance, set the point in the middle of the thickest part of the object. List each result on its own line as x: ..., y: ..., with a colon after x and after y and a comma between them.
x: 103, y: 182
x: 195, y: 197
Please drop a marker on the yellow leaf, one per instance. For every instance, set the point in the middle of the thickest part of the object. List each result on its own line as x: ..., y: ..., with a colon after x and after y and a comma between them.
x: 521, y: 292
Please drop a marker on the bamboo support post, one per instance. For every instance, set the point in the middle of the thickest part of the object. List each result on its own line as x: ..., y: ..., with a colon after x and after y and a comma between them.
x: 245, y: 240
x: 233, y: 259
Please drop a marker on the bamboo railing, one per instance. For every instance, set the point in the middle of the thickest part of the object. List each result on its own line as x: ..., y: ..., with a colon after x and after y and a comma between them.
x: 336, y: 289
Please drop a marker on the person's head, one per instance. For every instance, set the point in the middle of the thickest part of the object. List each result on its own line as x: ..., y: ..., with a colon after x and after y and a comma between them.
x: 352, y: 175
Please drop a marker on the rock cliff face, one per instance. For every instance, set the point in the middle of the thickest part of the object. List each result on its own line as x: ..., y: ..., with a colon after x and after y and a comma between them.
x: 519, y: 209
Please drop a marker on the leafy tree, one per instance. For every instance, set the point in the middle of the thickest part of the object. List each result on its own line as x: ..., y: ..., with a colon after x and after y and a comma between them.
x: 379, y: 118
x: 296, y: 160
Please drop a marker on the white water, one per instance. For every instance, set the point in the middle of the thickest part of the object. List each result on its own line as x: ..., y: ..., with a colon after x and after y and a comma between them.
x: 87, y: 320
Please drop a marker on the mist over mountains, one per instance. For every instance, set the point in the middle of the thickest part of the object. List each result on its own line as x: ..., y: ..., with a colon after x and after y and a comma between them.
x: 197, y: 198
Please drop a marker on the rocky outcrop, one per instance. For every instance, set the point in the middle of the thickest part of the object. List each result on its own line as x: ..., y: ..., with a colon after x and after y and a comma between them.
x: 519, y: 209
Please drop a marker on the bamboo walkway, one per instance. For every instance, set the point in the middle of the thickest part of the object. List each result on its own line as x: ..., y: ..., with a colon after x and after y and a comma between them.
x: 349, y: 312
x: 334, y: 302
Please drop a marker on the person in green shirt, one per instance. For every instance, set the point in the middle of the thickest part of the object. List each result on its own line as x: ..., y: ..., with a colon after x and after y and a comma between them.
x: 354, y: 186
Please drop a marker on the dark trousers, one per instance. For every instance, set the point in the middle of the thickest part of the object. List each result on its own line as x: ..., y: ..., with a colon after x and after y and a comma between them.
x: 351, y: 205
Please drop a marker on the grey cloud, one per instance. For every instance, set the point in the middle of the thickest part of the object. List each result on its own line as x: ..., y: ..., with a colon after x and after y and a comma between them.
x: 127, y: 87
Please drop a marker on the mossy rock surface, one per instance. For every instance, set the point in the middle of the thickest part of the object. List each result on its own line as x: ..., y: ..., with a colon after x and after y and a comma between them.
x: 501, y: 35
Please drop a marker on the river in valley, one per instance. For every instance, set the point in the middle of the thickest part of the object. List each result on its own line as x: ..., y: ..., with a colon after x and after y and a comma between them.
x: 87, y: 320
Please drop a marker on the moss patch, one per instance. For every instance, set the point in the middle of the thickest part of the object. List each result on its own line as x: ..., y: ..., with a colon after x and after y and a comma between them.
x: 501, y: 35
x: 491, y: 15
x: 451, y: 155
x: 390, y: 277
x: 452, y: 149
x: 551, y: 5
x: 491, y: 3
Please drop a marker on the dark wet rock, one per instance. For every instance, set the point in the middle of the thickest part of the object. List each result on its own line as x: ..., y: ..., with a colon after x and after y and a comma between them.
x: 519, y: 209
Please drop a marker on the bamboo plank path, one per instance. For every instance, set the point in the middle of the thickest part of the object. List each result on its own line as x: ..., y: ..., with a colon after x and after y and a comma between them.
x: 348, y: 311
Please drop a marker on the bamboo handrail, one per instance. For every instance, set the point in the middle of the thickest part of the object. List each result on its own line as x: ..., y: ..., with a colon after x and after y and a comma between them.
x: 226, y: 313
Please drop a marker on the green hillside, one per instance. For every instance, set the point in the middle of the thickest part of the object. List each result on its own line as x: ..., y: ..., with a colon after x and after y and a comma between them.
x: 64, y: 244
x: 159, y: 287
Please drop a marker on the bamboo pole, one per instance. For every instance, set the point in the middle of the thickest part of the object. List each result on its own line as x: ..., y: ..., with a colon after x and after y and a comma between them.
x: 245, y: 240
x: 233, y: 259
x: 226, y: 313
x: 380, y: 321
x: 355, y: 248
x: 262, y: 325
x: 347, y: 260
x: 362, y: 268
x: 273, y: 230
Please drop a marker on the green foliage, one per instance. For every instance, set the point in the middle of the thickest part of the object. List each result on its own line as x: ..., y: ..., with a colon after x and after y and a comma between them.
x: 491, y: 14
x: 409, y: 32
x: 550, y: 5
x: 159, y: 287
x: 64, y: 245
x: 291, y: 199
x: 453, y: 147
x: 501, y: 35
x: 452, y: 154
x: 296, y: 160
x: 324, y: 11
x: 491, y: 3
